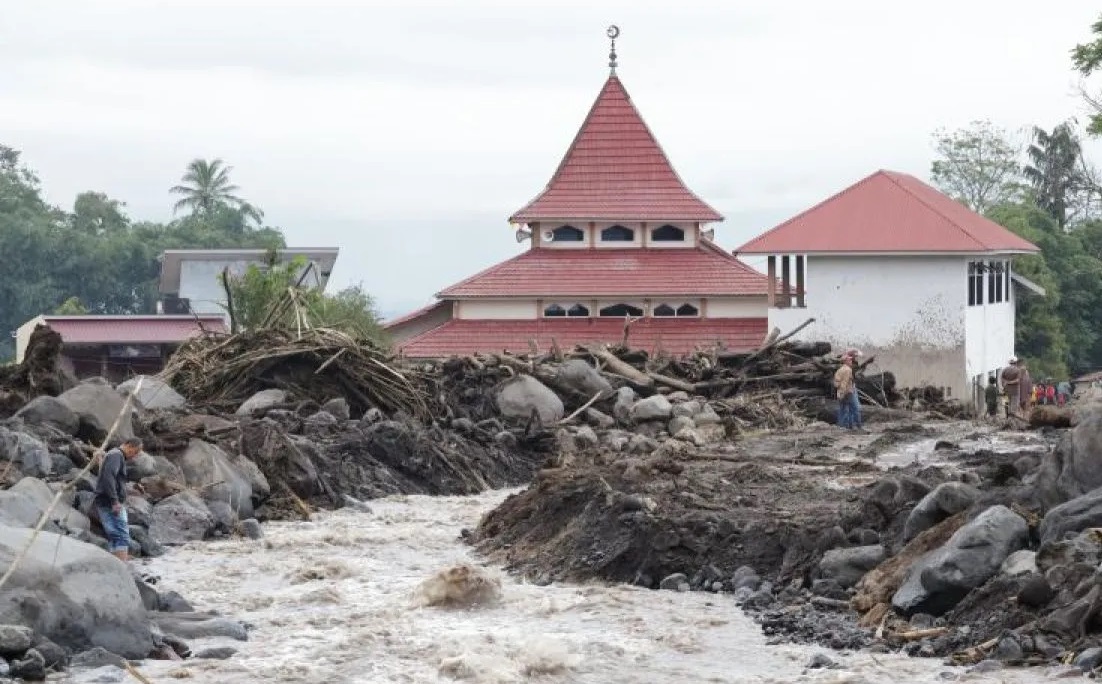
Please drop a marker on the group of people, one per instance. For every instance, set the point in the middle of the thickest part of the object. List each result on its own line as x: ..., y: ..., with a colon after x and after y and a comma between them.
x: 845, y: 386
x: 1021, y: 393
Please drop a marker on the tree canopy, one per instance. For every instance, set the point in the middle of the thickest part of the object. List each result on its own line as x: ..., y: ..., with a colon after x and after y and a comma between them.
x: 1046, y: 194
x: 94, y: 257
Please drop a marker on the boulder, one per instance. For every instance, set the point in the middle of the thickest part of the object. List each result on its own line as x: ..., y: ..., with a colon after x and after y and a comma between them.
x: 200, y: 626
x: 154, y: 393
x: 1072, y: 516
x: 1074, y: 467
x: 31, y: 667
x: 15, y: 640
x: 599, y: 420
x: 338, y: 408
x: 947, y: 499
x: 679, y: 423
x: 95, y: 658
x: 656, y: 407
x: 707, y: 416
x: 142, y: 465
x: 621, y: 407
x: 74, y: 594
x: 1019, y: 563
x: 181, y: 518
x: 1085, y: 547
x: 139, y: 511
x: 208, y: 469
x: 577, y: 376
x: 686, y: 409
x: 675, y: 582
x: 23, y: 504
x: 585, y: 438
x: 46, y: 410
x: 848, y: 566
x: 251, y: 529
x: 96, y: 407
x: 975, y: 552
x: 29, y: 453
x: 262, y: 400
x: 522, y: 395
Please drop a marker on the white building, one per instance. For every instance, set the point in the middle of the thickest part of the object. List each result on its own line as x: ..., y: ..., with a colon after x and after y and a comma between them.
x: 897, y: 269
x: 191, y: 278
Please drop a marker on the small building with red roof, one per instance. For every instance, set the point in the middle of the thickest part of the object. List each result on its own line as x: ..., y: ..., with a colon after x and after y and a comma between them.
x: 616, y: 236
x: 901, y: 271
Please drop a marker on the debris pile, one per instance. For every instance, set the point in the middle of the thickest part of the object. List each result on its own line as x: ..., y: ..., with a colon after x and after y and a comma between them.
x: 221, y: 372
x: 38, y: 374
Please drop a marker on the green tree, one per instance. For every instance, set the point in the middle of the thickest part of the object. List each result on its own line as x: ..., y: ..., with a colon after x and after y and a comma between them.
x: 978, y: 165
x: 258, y: 298
x: 70, y: 307
x: 1055, y: 170
x: 94, y: 213
x: 1087, y: 58
x: 207, y: 188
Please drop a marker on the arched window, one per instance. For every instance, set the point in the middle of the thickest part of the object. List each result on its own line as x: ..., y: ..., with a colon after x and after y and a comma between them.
x: 668, y: 233
x: 621, y: 310
x: 567, y: 234
x: 578, y: 310
x: 617, y: 234
x: 664, y: 310
x: 688, y: 310
x: 554, y: 310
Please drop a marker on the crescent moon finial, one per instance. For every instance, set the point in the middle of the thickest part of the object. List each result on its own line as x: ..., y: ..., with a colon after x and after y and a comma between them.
x: 613, y: 32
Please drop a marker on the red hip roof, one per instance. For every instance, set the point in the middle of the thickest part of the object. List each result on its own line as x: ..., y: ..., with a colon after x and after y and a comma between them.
x: 887, y: 212
x: 673, y: 335
x: 615, y: 169
x: 705, y: 270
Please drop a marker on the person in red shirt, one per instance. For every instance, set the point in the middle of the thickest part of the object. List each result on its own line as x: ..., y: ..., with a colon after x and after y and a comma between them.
x: 1050, y: 393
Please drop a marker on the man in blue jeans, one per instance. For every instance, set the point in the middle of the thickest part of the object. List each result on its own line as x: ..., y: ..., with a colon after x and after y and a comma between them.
x: 110, y: 498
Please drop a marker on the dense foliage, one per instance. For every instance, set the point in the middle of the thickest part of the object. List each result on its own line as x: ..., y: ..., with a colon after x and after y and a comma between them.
x: 95, y: 259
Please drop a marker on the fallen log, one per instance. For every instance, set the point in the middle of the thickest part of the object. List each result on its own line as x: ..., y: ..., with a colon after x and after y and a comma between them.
x: 671, y: 382
x: 621, y: 368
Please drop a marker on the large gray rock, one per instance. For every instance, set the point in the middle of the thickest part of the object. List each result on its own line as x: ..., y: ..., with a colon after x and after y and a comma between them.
x: 621, y: 408
x: 200, y: 626
x: 522, y: 395
x: 1072, y: 516
x: 656, y: 407
x: 1074, y: 467
x: 96, y: 407
x: 74, y: 594
x: 47, y: 410
x: 181, y: 518
x: 28, y: 452
x: 23, y: 505
x: 264, y: 399
x: 575, y: 375
x: 208, y: 469
x: 948, y: 498
x: 941, y: 578
x: 338, y: 408
x: 142, y: 465
x: 848, y: 566
x: 154, y: 393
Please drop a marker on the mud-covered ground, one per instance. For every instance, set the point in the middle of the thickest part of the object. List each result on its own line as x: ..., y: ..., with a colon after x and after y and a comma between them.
x: 754, y: 517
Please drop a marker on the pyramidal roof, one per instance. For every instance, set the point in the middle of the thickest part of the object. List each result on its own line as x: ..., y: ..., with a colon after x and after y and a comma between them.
x: 616, y: 170
x: 888, y: 212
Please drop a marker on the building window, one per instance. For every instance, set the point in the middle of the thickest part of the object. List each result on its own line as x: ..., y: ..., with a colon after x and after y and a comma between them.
x: 621, y: 310
x: 666, y: 310
x: 567, y: 234
x: 975, y: 283
x: 668, y: 233
x: 1006, y: 280
x: 558, y: 310
x: 617, y: 234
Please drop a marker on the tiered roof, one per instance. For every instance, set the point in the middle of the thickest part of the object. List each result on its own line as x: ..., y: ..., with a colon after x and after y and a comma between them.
x: 615, y: 169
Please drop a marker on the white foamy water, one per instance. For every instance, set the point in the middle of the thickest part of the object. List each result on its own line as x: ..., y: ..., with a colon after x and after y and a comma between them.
x: 335, y: 601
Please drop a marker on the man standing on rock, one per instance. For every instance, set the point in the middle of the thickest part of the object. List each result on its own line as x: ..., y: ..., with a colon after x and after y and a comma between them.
x: 110, y: 498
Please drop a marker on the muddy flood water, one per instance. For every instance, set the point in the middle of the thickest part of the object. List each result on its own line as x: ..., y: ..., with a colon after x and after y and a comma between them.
x: 335, y: 600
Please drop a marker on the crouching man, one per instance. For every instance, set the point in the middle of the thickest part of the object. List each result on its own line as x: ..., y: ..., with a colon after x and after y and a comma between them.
x: 110, y: 498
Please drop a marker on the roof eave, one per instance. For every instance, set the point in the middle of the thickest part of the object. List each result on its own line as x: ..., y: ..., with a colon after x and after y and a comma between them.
x: 873, y: 253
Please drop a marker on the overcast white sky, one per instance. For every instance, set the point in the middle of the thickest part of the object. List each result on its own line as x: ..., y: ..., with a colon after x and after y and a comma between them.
x: 406, y: 133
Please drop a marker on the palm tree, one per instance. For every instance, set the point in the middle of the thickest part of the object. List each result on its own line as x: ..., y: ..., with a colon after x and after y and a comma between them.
x: 206, y: 187
x: 1055, y: 169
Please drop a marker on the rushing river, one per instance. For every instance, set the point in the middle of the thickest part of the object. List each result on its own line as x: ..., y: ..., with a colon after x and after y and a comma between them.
x: 334, y: 601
